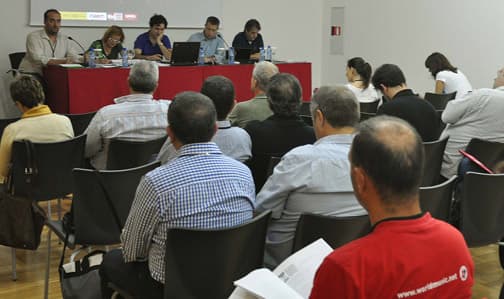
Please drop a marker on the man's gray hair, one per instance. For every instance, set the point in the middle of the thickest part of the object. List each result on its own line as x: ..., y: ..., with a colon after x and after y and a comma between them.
x: 262, y: 73
x: 338, y: 104
x: 284, y: 95
x: 144, y: 76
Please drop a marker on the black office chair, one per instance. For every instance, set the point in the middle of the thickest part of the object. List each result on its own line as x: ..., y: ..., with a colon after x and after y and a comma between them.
x: 123, y: 154
x: 434, y: 151
x: 305, y: 108
x: 15, y: 60
x: 98, y: 197
x: 439, y: 101
x: 336, y: 231
x: 370, y: 107
x: 482, y: 208
x: 437, y: 200
x: 488, y: 152
x: 80, y: 122
x: 307, y: 119
x: 51, y: 165
x: 260, y: 167
x: 365, y: 116
x: 204, y: 263
x: 4, y: 122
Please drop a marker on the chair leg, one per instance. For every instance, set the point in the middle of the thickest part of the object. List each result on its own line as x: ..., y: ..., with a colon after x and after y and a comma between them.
x: 48, y: 264
x: 59, y: 209
x: 14, y: 273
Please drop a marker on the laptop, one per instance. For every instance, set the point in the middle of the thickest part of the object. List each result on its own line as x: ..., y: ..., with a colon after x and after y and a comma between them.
x: 243, y: 55
x: 185, y: 53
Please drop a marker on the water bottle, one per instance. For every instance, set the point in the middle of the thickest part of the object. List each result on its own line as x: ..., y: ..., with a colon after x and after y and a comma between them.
x: 92, y: 58
x: 261, y: 54
x: 201, y: 57
x: 269, y: 54
x: 231, y: 55
x: 124, y: 56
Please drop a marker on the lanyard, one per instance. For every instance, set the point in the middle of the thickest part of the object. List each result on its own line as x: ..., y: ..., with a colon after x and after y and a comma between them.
x: 53, y: 48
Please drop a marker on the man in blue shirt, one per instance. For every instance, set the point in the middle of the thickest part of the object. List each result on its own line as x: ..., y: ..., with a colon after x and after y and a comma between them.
x: 199, y: 189
x: 250, y: 38
x: 210, y: 39
x: 153, y: 44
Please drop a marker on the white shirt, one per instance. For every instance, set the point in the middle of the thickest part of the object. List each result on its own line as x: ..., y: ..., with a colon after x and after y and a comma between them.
x: 310, y: 178
x: 135, y: 117
x: 454, y: 82
x: 40, y: 49
x: 478, y: 115
x: 234, y: 142
x: 367, y: 95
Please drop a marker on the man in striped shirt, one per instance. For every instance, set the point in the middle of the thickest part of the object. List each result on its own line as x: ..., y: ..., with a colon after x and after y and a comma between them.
x: 199, y: 188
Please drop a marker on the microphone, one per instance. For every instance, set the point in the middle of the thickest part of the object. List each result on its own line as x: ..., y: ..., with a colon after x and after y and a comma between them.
x: 220, y: 36
x: 82, y: 48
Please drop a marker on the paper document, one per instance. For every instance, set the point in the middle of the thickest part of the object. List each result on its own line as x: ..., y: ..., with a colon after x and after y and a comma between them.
x: 293, y: 278
x: 71, y: 65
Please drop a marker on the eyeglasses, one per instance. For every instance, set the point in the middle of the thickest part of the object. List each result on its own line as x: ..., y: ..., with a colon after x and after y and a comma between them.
x: 114, y: 40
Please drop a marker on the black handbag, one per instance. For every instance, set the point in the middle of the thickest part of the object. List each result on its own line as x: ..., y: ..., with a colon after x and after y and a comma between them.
x: 21, y: 219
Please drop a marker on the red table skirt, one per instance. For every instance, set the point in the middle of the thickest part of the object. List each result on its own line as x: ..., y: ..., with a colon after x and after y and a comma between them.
x: 84, y: 90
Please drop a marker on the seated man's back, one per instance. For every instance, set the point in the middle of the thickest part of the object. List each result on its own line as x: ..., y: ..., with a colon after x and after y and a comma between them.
x: 135, y: 117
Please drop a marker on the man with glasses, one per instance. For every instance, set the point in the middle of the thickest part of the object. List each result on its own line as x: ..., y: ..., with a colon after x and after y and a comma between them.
x: 210, y: 39
x: 47, y: 46
x: 154, y: 44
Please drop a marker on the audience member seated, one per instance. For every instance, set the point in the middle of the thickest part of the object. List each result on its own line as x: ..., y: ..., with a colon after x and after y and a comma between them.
x: 408, y: 252
x: 232, y: 141
x: 210, y: 39
x: 282, y: 131
x: 358, y: 73
x: 478, y: 115
x: 403, y: 103
x: 313, y: 178
x: 256, y: 108
x: 200, y: 189
x: 110, y: 44
x: 448, y: 78
x: 250, y: 38
x: 135, y: 117
x: 47, y: 46
x: 37, y: 123
x: 154, y: 44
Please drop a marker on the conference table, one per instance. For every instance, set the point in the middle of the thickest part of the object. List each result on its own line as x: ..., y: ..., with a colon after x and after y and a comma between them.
x: 81, y: 90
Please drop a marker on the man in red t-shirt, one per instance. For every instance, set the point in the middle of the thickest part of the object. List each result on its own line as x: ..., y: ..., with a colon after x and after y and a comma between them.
x: 408, y: 254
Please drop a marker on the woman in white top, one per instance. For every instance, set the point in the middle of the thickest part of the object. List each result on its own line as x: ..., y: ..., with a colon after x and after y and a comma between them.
x: 448, y: 78
x: 358, y: 73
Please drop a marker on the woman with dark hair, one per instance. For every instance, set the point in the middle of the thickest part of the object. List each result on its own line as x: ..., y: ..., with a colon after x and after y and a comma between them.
x: 358, y: 73
x: 110, y: 45
x: 448, y: 78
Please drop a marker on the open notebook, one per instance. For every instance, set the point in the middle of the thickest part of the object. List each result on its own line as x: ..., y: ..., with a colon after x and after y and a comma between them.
x: 293, y: 278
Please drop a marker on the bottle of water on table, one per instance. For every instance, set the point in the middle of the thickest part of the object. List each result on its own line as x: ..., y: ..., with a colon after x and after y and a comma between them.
x: 92, y: 58
x: 201, y: 57
x: 261, y: 54
x: 124, y: 57
x: 231, y: 55
x: 269, y: 54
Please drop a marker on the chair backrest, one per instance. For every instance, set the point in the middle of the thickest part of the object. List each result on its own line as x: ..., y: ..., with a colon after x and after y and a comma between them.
x: 305, y: 108
x: 370, y: 107
x: 307, y: 119
x: 54, y: 162
x: 259, y: 165
x: 365, y: 115
x: 437, y: 199
x: 80, y: 122
x: 336, y: 231
x: 487, y: 152
x: 204, y: 263
x: 439, y: 101
x: 482, y: 208
x: 93, y: 216
x: 4, y: 122
x: 434, y: 151
x: 123, y: 154
x: 15, y: 59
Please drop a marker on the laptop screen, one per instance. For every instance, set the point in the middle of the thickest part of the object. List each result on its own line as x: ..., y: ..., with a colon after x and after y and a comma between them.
x: 185, y: 53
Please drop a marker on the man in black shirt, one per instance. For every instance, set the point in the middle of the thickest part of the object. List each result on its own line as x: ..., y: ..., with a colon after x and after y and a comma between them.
x: 250, y: 38
x: 403, y: 103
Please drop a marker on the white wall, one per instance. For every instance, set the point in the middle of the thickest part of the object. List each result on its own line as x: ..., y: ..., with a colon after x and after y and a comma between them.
x: 403, y: 32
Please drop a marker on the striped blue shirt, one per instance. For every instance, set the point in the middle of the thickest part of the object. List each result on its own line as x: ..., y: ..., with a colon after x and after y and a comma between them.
x: 200, y: 188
